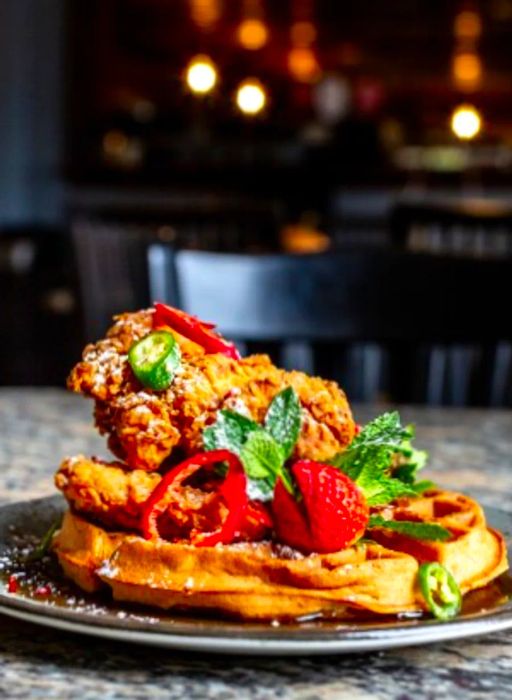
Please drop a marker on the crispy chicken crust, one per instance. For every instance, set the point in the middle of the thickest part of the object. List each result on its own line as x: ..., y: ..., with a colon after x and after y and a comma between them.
x: 144, y: 427
x: 111, y: 494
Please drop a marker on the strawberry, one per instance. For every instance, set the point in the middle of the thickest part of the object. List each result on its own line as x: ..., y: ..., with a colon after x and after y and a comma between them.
x: 327, y: 514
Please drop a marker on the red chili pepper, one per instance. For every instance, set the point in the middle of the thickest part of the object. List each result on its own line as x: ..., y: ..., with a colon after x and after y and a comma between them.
x: 12, y: 584
x: 258, y: 522
x: 199, y: 332
x: 232, y: 491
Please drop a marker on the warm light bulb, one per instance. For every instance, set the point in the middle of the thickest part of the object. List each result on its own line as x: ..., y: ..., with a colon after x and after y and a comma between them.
x: 251, y: 96
x: 467, y: 69
x: 252, y: 34
x: 466, y: 122
x: 468, y: 25
x: 201, y: 75
x: 303, y: 65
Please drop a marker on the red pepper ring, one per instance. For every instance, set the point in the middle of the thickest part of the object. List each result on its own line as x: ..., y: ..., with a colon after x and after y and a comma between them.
x: 232, y: 491
x: 194, y: 329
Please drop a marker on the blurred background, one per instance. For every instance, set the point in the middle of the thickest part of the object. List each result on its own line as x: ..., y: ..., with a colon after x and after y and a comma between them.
x: 329, y: 181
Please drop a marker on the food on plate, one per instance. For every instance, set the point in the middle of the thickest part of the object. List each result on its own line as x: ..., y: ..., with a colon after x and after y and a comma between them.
x: 247, y: 490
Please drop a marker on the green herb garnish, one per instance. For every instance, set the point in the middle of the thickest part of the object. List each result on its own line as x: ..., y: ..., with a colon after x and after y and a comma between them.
x: 410, y: 528
x: 46, y: 540
x: 263, y: 450
x: 382, y: 461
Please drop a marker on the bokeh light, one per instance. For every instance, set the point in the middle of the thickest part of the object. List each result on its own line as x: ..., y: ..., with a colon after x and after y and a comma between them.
x: 252, y: 34
x: 201, y: 75
x: 467, y: 70
x: 303, y: 33
x: 251, y: 96
x: 466, y: 122
x: 303, y: 65
x: 468, y: 25
x: 205, y: 13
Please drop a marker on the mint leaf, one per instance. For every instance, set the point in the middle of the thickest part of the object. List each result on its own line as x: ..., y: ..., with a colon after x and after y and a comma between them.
x: 283, y: 420
x: 229, y: 432
x: 262, y: 457
x: 416, y: 530
x: 368, y: 460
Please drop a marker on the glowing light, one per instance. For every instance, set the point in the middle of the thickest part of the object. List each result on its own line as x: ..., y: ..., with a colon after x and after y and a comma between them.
x: 467, y: 70
x: 205, y: 13
x: 466, y: 122
x: 201, y: 75
x: 115, y: 143
x: 251, y: 96
x: 468, y: 25
x: 303, y: 33
x: 303, y: 65
x: 252, y: 34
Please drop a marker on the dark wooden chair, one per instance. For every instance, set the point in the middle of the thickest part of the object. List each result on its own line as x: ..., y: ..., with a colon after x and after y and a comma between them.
x: 387, y: 316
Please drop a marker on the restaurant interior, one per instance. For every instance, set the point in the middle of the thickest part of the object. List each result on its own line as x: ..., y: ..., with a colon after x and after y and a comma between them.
x: 331, y: 183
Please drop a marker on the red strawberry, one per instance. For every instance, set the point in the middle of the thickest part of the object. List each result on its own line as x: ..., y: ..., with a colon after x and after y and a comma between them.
x: 330, y: 513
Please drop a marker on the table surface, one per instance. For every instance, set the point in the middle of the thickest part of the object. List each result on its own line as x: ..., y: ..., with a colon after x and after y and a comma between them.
x: 471, y: 450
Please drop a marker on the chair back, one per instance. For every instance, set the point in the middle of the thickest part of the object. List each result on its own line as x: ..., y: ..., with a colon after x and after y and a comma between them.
x: 316, y: 306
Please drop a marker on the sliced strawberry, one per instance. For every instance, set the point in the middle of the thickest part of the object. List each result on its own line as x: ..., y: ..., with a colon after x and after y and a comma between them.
x: 328, y: 514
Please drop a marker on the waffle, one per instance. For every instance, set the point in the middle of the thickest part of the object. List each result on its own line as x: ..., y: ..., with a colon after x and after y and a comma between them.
x: 266, y: 580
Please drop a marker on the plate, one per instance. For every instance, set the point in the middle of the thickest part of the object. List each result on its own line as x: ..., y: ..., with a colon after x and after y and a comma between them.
x: 66, y: 608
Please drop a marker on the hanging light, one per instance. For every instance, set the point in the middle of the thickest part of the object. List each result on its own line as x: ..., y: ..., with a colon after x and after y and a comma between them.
x: 205, y: 13
x: 468, y: 25
x: 467, y: 70
x: 303, y: 61
x: 303, y: 65
x: 466, y: 122
x: 251, y: 96
x: 201, y: 75
x: 252, y: 34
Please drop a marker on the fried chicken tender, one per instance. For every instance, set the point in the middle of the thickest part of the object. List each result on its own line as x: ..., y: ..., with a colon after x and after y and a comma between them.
x: 114, y: 496
x: 144, y: 427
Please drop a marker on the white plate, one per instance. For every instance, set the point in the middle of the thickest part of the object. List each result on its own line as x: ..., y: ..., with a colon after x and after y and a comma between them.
x: 100, y: 617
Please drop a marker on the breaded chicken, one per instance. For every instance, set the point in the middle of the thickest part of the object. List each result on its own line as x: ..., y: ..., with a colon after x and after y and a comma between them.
x: 114, y: 496
x: 144, y: 426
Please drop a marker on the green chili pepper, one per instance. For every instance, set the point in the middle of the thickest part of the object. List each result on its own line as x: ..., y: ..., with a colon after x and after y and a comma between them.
x: 154, y: 359
x: 440, y: 590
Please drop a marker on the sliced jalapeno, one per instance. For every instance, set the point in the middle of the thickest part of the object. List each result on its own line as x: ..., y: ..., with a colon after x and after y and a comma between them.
x: 440, y: 590
x: 154, y: 359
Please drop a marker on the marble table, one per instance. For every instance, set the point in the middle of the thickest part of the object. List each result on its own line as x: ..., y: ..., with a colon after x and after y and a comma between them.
x: 470, y: 450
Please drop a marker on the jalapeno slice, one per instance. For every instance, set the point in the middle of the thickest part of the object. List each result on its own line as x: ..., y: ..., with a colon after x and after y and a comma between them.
x: 154, y: 359
x: 440, y: 590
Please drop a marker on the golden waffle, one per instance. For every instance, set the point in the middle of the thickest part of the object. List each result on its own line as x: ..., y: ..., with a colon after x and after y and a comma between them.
x: 268, y: 581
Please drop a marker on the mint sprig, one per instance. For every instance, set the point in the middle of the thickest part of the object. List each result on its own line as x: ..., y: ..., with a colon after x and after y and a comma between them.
x: 373, y: 457
x: 263, y: 450
x: 411, y: 528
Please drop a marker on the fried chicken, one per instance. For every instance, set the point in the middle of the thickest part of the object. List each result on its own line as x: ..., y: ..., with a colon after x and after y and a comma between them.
x: 145, y: 427
x: 111, y: 494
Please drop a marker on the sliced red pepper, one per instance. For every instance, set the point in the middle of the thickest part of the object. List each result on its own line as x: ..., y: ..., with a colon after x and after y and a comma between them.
x: 232, y: 492
x: 258, y: 522
x: 190, y: 327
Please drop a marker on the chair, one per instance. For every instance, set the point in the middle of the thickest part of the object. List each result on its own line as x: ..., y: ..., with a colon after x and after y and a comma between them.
x: 397, y: 310
x: 111, y: 246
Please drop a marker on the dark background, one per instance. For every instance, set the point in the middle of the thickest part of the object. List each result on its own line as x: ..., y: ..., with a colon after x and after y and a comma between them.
x: 105, y: 151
